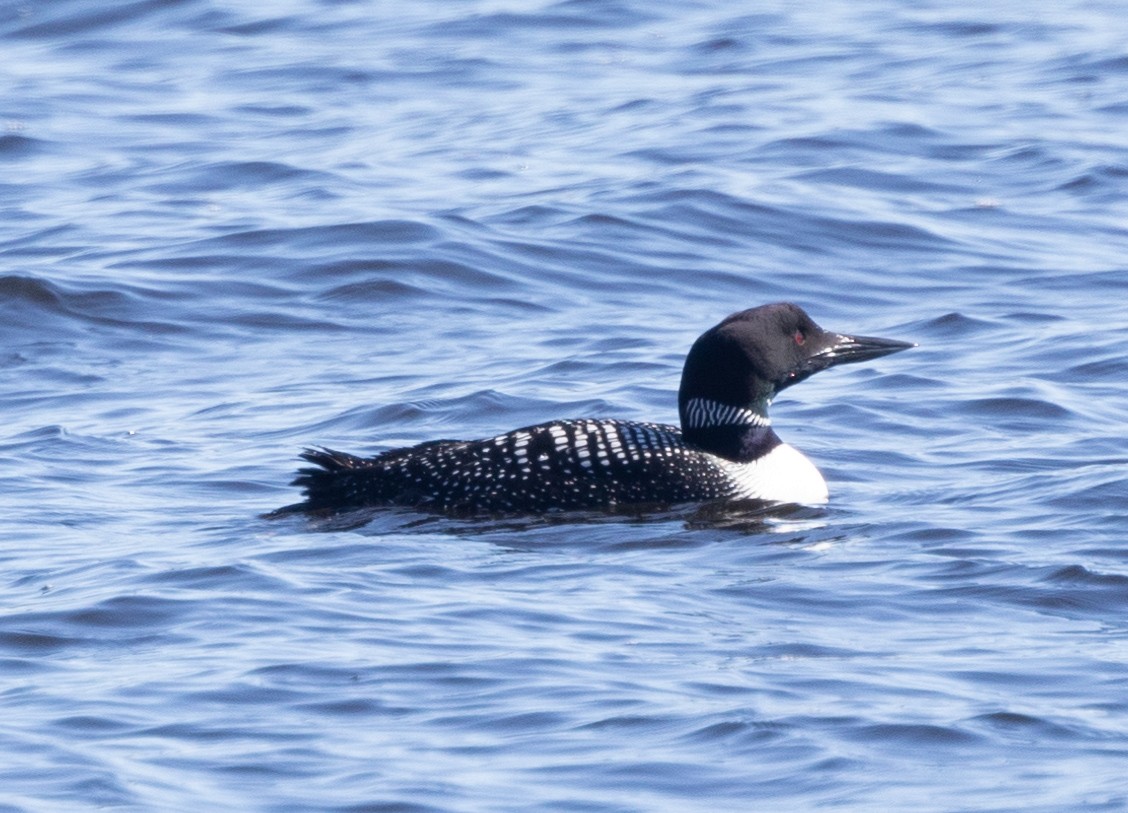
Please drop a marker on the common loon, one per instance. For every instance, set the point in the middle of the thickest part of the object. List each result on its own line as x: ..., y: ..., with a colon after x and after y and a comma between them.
x: 725, y: 449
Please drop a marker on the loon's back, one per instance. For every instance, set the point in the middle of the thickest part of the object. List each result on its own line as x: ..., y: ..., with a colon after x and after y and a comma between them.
x: 562, y: 465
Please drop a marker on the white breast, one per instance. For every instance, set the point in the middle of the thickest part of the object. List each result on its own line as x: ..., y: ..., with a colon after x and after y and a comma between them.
x: 782, y: 475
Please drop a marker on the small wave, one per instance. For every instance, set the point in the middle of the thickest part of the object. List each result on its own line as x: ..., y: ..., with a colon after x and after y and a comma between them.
x: 14, y: 146
x: 873, y: 179
x: 1015, y: 409
x: 21, y: 642
x: 920, y: 735
x: 232, y: 175
x: 125, y: 613
x: 381, y: 232
x: 1026, y: 726
x: 38, y: 310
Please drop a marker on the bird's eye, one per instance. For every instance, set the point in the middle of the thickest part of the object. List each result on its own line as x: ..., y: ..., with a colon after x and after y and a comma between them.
x: 800, y: 338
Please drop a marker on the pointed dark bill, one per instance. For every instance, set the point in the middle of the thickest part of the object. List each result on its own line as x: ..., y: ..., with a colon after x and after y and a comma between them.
x: 848, y: 349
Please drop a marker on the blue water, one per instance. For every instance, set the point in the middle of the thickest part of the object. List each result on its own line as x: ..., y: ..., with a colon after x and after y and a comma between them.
x: 227, y: 233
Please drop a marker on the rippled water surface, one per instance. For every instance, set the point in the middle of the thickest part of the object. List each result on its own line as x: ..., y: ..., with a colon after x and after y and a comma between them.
x: 229, y: 232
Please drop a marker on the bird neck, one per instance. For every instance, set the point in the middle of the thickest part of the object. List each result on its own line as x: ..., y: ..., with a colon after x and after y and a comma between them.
x: 741, y: 434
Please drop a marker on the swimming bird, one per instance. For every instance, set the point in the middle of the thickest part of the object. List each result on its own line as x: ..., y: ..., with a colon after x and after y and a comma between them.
x: 725, y: 449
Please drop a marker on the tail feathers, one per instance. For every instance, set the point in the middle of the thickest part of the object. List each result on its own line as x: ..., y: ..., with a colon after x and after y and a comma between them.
x: 329, y: 460
x: 325, y: 484
x: 340, y: 480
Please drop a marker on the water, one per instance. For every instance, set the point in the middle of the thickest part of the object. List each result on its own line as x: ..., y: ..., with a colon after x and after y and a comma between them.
x: 229, y: 233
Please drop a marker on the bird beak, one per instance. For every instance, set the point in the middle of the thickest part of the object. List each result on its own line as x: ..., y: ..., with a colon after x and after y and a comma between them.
x: 837, y: 349
x: 848, y: 349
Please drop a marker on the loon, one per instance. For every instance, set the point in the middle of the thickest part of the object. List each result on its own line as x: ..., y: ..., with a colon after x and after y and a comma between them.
x: 725, y: 449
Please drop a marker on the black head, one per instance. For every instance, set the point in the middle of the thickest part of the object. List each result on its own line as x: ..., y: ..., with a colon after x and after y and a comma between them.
x: 752, y: 355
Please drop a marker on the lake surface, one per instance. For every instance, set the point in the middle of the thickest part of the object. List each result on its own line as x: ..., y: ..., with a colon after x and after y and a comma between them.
x: 229, y: 233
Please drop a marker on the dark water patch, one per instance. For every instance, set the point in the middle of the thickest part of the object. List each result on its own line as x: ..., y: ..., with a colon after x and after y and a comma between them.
x: 629, y: 722
x: 1025, y: 726
x: 484, y: 174
x: 899, y: 383
x: 719, y: 220
x: 135, y: 615
x: 801, y: 651
x: 415, y: 276
x: 279, y: 321
x: 388, y: 807
x: 92, y: 726
x: 805, y: 149
x: 32, y: 304
x: 615, y: 227
x: 666, y: 777
x: 14, y: 147
x: 30, y: 291
x: 321, y: 78
x: 331, y: 237
x: 1034, y: 157
x: 284, y: 111
x: 220, y: 734
x: 261, y: 27
x: 354, y: 708
x: 308, y: 675
x: 527, y: 722
x: 725, y: 45
x: 1088, y: 68
x: 726, y: 221
x: 886, y: 235
x: 243, y: 694
x: 720, y: 689
x: 739, y: 733
x: 531, y: 215
x: 1101, y: 179
x: 1114, y: 368
x: 875, y: 179
x: 126, y: 612
x: 1015, y: 411
x: 379, y: 290
x: 915, y: 735
x: 886, y: 138
x: 69, y: 19
x: 1110, y: 282
x: 1081, y: 577
x: 560, y: 17
x: 1013, y: 680
x: 29, y: 668
x: 956, y: 29
x: 178, y: 120
x: 969, y: 566
x: 233, y: 175
x: 34, y: 642
x: 1091, y: 494
x: 175, y: 287
x: 217, y: 577
x: 1070, y: 592
x: 939, y: 535
x: 1031, y: 318
x: 675, y: 157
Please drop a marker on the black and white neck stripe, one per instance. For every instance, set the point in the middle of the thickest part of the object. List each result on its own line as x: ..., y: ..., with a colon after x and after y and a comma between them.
x: 703, y: 412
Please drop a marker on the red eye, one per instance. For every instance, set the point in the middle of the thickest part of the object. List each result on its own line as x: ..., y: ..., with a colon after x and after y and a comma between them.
x: 800, y: 338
